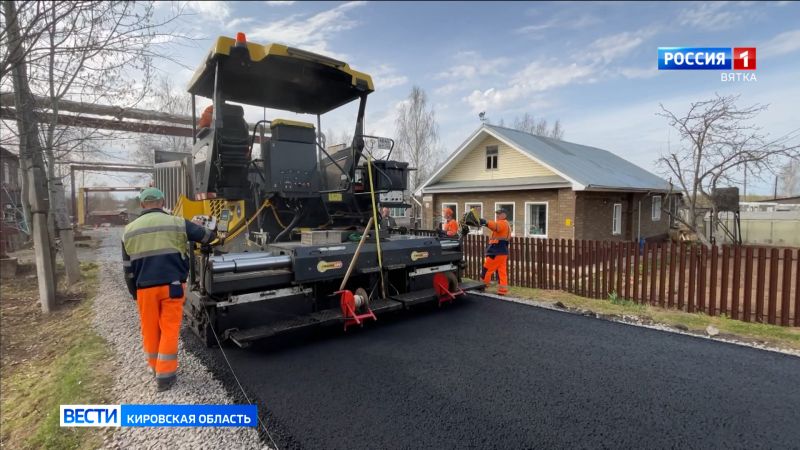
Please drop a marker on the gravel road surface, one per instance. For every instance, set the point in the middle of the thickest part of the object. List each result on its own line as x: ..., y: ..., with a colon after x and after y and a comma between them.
x: 117, y: 320
x: 486, y: 373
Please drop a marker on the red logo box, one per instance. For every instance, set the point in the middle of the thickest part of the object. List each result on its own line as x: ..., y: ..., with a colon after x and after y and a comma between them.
x: 744, y: 58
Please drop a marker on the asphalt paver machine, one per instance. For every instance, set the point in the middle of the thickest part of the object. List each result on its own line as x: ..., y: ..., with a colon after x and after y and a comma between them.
x: 298, y: 221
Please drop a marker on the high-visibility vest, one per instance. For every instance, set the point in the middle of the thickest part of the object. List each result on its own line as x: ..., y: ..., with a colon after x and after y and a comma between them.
x: 155, y: 234
x: 501, y: 231
x: 155, y: 249
x: 498, y: 240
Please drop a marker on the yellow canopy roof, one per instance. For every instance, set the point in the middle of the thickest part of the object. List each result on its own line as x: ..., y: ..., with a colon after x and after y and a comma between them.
x: 279, y: 77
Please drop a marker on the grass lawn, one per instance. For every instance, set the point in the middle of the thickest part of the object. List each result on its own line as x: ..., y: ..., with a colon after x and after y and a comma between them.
x: 48, y: 361
x: 782, y: 337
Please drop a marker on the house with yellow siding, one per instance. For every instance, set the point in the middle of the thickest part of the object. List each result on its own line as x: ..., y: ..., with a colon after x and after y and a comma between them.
x: 550, y: 188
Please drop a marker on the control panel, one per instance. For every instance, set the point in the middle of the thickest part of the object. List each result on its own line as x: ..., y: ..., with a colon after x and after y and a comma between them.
x: 290, y: 161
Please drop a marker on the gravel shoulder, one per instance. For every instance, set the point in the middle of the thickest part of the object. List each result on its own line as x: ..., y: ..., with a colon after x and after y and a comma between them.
x: 116, y: 320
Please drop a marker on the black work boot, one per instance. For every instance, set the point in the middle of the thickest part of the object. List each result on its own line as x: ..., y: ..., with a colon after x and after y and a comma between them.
x: 165, y: 384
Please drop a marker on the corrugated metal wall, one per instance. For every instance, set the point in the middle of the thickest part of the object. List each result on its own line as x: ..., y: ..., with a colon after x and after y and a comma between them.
x: 174, y: 180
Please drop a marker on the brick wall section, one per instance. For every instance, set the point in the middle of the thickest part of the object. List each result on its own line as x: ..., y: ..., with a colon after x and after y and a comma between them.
x: 595, y: 210
x: 589, y: 213
x: 560, y: 204
x: 565, y: 225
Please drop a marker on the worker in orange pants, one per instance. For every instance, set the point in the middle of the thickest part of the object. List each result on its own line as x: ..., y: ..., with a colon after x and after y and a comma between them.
x: 496, y: 263
x: 155, y: 259
x: 161, y: 324
x: 497, y: 251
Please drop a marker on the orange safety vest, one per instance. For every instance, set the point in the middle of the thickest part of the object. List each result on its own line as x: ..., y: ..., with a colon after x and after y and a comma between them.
x: 451, y: 227
x: 498, y: 240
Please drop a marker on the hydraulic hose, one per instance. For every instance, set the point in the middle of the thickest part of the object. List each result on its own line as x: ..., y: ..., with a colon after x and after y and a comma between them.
x: 297, y: 217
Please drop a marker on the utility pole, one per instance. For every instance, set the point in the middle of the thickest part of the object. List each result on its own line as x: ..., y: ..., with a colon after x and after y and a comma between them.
x: 745, y: 182
x: 32, y: 161
x: 775, y: 191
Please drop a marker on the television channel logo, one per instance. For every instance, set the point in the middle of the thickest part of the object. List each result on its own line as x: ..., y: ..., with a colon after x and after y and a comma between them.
x: 90, y: 415
x: 736, y: 63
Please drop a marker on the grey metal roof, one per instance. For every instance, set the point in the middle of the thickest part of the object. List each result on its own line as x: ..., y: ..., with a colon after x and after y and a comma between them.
x: 509, y: 184
x: 592, y: 167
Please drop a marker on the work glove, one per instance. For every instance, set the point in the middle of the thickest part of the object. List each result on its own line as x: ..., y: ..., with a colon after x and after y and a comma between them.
x: 483, y: 222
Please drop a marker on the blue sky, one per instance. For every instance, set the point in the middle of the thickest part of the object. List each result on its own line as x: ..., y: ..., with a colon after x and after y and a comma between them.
x: 593, y: 66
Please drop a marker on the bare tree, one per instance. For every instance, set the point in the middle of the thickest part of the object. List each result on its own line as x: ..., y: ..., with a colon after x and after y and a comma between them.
x: 92, y: 52
x: 417, y: 136
x: 165, y: 98
x: 33, y: 170
x: 529, y: 124
x: 717, y: 142
x: 789, y: 178
x: 32, y: 19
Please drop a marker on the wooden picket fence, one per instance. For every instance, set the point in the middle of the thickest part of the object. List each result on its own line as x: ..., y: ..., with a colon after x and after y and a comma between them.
x: 752, y: 284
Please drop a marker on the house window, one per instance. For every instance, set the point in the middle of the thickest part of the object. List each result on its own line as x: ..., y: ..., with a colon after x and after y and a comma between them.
x: 656, y: 213
x: 536, y: 219
x: 509, y: 207
x: 453, y: 206
x: 7, y: 174
x: 616, y: 219
x: 478, y: 207
x: 491, y: 157
x: 397, y: 212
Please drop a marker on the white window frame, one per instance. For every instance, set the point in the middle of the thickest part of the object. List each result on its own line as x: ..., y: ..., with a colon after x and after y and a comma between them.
x: 496, y: 157
x: 511, y: 221
x: 467, y: 205
x: 393, y: 210
x: 616, y: 219
x: 528, y: 219
x: 655, y: 213
x: 447, y: 205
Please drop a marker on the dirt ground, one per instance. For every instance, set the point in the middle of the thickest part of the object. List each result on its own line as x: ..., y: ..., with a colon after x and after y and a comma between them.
x: 38, y: 353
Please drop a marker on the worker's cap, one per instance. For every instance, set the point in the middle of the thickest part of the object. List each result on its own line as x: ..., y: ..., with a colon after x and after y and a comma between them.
x: 448, y: 211
x: 501, y: 211
x: 150, y: 194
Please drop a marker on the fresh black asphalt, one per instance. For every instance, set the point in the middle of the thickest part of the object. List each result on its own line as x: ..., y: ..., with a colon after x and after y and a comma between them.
x: 485, y: 373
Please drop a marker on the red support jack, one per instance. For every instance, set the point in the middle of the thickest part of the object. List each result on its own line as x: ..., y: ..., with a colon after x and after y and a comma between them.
x: 350, y: 305
x: 446, y: 287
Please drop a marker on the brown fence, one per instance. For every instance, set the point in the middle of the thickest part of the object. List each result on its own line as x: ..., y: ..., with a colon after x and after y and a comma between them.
x: 758, y: 284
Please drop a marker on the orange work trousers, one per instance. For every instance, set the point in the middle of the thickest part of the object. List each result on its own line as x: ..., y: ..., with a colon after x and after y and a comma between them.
x: 496, y: 263
x: 160, y: 317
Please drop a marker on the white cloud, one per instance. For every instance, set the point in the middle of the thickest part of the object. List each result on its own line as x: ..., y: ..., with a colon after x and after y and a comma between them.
x: 564, y: 21
x: 386, y: 77
x: 638, y: 72
x: 609, y: 48
x: 310, y: 32
x: 478, y: 67
x: 469, y: 70
x: 541, y: 76
x: 712, y: 16
x: 781, y: 44
x: 210, y: 10
x: 238, y: 22
x: 536, y: 27
x: 280, y: 3
x: 535, y: 78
